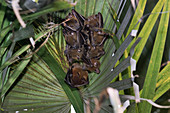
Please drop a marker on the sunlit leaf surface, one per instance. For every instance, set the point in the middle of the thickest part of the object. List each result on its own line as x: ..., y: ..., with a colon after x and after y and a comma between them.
x: 155, y: 61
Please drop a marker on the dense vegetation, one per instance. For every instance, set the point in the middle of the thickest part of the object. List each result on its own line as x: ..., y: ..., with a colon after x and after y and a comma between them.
x: 33, y: 64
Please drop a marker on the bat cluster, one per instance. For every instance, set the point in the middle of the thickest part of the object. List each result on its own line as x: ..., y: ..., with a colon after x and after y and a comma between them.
x: 84, y: 46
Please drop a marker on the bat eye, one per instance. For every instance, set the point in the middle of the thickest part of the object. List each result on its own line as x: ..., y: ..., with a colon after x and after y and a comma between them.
x: 87, y: 25
x: 95, y: 64
x: 78, y: 57
x: 97, y: 71
x: 79, y: 50
x: 99, y: 32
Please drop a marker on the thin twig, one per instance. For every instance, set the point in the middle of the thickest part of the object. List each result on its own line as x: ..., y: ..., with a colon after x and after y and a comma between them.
x: 16, y: 8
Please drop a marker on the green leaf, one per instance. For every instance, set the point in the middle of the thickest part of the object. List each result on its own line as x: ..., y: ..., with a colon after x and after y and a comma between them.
x: 124, y: 23
x: 6, y: 71
x: 122, y: 85
x: 5, y: 45
x: 37, y: 91
x: 13, y: 58
x: 155, y: 61
x: 56, y: 46
x: 55, y: 6
x: 3, y: 32
x: 162, y: 89
x: 138, y: 14
x: 23, y: 33
x: 163, y: 82
x: 163, y: 75
x: 133, y: 108
x: 147, y: 28
x: 2, y: 13
x: 14, y: 75
x: 114, y: 16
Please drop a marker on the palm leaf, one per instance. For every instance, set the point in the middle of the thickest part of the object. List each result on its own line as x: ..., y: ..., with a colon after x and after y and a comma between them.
x: 147, y: 28
x: 54, y: 6
x: 37, y: 91
x: 155, y: 61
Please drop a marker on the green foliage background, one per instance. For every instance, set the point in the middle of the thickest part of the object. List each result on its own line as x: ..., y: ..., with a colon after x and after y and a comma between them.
x: 35, y: 81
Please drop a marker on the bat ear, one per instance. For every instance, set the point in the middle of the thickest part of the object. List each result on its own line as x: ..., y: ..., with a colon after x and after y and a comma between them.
x: 100, y: 20
x: 79, y: 17
x: 76, y: 14
x: 68, y: 77
x: 97, y: 71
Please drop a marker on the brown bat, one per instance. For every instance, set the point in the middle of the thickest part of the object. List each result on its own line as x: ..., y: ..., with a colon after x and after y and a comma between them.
x: 94, y: 21
x: 76, y: 76
x: 94, y: 67
x: 73, y: 54
x: 93, y: 27
x: 74, y: 21
x: 73, y: 39
x: 95, y: 52
x: 97, y: 38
